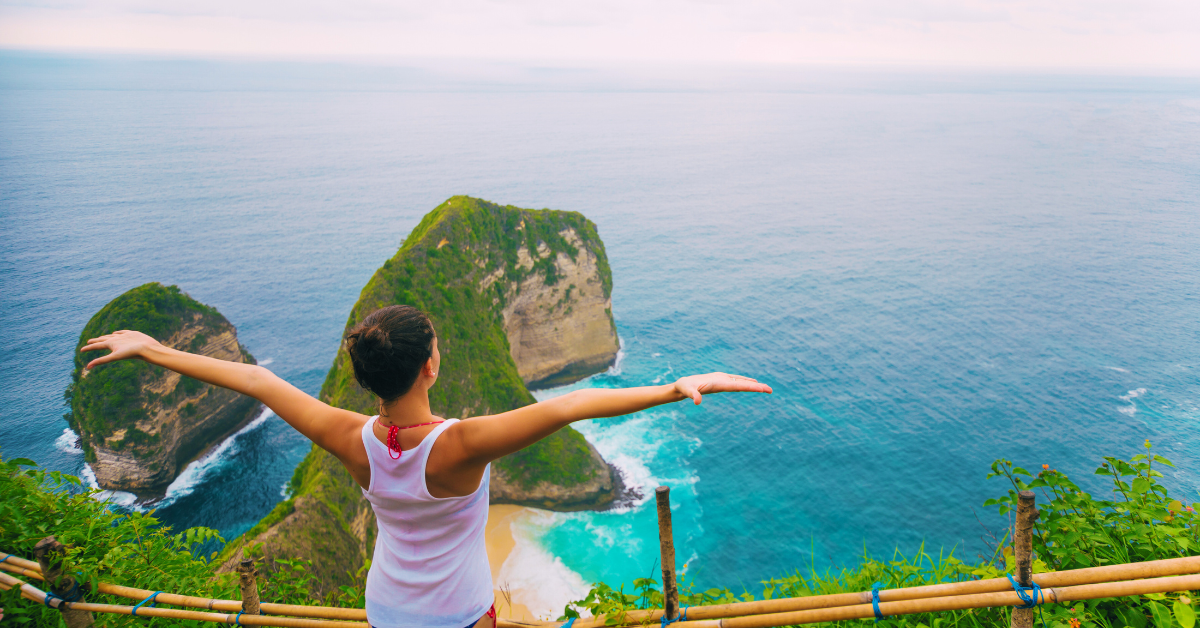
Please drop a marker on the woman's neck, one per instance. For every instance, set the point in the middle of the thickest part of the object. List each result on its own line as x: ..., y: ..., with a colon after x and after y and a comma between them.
x: 410, y: 409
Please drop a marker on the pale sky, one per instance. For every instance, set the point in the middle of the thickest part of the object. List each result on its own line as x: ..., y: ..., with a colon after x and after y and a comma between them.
x: 1123, y: 35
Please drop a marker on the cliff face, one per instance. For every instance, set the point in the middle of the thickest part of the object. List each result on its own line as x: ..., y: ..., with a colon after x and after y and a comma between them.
x: 563, y: 332
x: 140, y: 424
x: 517, y: 297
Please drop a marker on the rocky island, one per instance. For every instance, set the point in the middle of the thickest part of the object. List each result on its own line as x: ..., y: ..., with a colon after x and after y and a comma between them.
x: 520, y: 298
x: 139, y: 424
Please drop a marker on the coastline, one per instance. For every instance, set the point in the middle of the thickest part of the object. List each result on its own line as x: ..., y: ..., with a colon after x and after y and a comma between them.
x: 500, y: 545
x: 530, y: 583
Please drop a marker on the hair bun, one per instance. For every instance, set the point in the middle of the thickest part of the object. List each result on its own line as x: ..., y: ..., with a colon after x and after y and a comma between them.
x: 388, y: 348
x: 372, y: 347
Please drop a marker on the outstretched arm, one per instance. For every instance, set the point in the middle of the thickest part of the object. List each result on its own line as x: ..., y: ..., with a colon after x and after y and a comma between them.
x: 481, y: 440
x: 319, y: 422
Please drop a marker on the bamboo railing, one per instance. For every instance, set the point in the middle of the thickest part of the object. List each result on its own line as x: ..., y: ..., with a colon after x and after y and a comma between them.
x: 283, y: 615
x: 1159, y: 576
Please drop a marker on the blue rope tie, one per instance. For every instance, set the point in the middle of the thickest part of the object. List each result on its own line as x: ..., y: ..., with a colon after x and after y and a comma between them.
x: 5, y: 559
x: 238, y: 620
x: 153, y: 603
x: 570, y: 622
x: 875, y: 600
x: 1024, y: 593
x: 71, y: 596
x: 667, y: 622
x: 1031, y: 596
x: 49, y: 595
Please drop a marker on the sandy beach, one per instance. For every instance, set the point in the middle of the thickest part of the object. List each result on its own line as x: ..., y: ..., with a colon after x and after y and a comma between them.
x: 500, y: 544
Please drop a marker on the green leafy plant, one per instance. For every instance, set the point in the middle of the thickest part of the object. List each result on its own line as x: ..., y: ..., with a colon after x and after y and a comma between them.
x: 129, y: 548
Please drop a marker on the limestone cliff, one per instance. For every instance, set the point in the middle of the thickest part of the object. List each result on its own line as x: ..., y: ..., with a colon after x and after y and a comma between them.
x: 519, y: 298
x: 139, y: 425
x: 562, y: 332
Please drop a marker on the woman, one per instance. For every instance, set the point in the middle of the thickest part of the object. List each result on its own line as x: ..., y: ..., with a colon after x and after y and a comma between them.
x: 426, y: 478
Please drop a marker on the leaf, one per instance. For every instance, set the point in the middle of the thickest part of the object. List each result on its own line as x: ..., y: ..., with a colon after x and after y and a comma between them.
x: 1020, y: 471
x: 24, y: 462
x: 1141, y: 485
x: 1158, y: 458
x: 1184, y: 614
x: 1162, y: 617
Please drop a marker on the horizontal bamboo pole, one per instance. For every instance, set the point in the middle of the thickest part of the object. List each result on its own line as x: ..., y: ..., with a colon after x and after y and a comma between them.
x: 9, y: 559
x: 37, y: 595
x: 233, y: 606
x: 1071, y: 577
x: 32, y: 569
x: 952, y: 603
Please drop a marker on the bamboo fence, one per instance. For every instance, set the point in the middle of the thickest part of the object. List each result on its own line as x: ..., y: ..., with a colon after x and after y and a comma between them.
x: 1091, y: 575
x: 1159, y: 576
x: 355, y: 617
x: 950, y: 603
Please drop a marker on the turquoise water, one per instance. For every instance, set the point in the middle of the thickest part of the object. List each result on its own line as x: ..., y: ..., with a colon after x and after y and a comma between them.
x: 931, y: 271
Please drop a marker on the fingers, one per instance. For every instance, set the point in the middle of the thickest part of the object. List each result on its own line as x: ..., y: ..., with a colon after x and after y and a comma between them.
x: 104, y: 359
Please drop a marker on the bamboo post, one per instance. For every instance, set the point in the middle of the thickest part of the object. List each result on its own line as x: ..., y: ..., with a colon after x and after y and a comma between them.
x: 666, y: 543
x: 1027, y: 513
x: 248, y: 578
x: 48, y: 553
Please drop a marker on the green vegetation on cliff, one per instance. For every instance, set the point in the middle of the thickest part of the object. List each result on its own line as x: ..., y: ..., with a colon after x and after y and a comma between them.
x: 115, y: 397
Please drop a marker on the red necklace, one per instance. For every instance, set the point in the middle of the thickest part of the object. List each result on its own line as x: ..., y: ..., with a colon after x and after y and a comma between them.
x: 393, y: 439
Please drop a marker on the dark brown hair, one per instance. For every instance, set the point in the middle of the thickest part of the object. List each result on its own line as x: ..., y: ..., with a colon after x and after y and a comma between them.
x: 388, y: 349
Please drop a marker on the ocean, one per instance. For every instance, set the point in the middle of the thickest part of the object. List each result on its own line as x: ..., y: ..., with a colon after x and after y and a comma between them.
x: 932, y: 269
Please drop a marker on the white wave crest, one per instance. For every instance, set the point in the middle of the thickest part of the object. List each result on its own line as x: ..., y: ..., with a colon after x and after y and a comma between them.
x: 267, y: 362
x: 538, y: 579
x: 1117, y: 369
x: 191, y: 477
x: 615, y: 369
x: 68, y: 442
x: 117, y: 498
x: 1133, y: 394
x: 1128, y: 397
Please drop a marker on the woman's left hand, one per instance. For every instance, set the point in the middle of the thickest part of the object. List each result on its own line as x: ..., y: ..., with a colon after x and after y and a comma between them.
x: 694, y: 387
x: 123, y: 344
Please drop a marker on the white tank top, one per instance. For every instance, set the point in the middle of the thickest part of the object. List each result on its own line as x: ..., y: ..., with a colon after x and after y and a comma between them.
x: 430, y: 568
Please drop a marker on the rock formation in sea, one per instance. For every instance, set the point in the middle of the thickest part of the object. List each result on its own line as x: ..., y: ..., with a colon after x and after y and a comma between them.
x: 520, y: 298
x: 139, y: 425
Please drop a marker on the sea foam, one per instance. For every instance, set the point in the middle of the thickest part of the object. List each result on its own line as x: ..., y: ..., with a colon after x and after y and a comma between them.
x: 1128, y: 397
x: 535, y: 577
x: 218, y: 456
x: 68, y: 442
x: 117, y: 498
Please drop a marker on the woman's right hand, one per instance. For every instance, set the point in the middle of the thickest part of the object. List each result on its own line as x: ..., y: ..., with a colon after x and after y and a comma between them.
x: 123, y: 344
x: 694, y: 387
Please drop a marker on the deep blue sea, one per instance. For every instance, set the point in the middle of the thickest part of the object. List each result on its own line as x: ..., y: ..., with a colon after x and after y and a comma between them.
x: 932, y: 270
